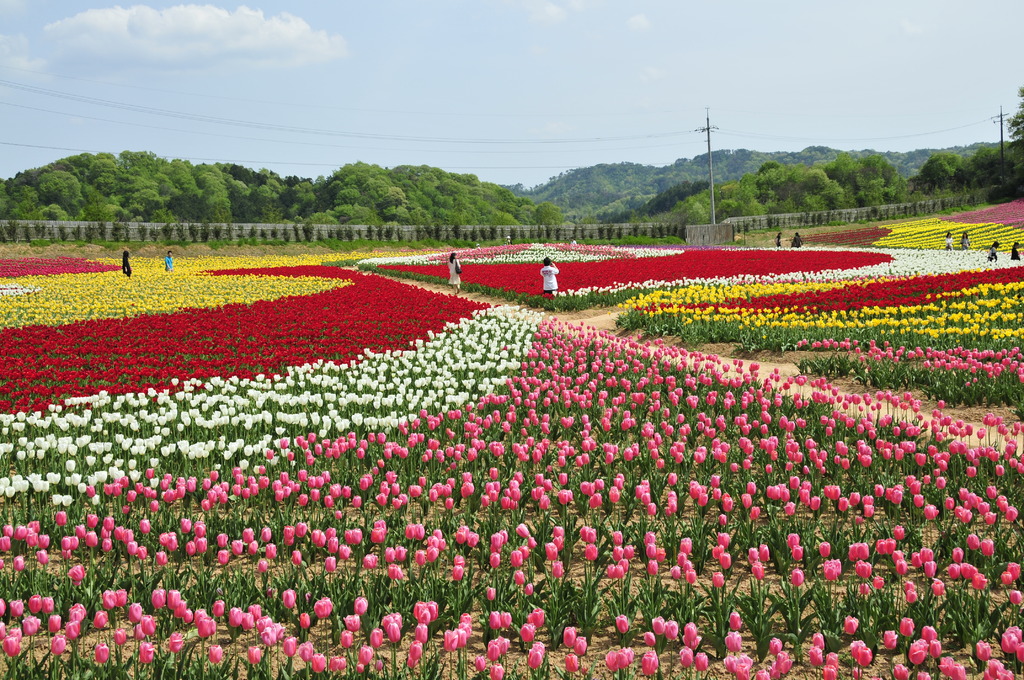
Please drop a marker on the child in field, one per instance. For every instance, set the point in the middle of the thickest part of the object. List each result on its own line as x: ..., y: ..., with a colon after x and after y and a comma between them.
x: 949, y: 240
x: 169, y: 262
x: 1015, y: 252
x: 965, y: 242
x: 126, y: 267
x: 992, y: 257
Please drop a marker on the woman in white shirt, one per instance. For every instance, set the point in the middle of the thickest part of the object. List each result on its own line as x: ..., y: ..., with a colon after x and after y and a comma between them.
x: 454, y: 272
x: 549, y: 272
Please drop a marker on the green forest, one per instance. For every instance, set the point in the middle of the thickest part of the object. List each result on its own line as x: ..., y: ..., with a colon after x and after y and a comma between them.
x: 619, y: 192
x: 142, y: 187
x: 846, y: 182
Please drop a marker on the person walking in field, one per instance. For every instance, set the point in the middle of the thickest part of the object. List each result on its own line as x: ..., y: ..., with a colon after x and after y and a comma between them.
x: 169, y: 262
x: 1015, y: 251
x: 550, y: 273
x: 778, y: 240
x: 949, y: 240
x: 992, y: 252
x: 455, y: 273
x: 965, y: 241
x: 126, y: 266
x: 797, y: 240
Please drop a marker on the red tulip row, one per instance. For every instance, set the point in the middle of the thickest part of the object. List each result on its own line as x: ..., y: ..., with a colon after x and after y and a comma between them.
x: 854, y: 237
x: 44, y: 365
x: 691, y: 264
x: 34, y: 266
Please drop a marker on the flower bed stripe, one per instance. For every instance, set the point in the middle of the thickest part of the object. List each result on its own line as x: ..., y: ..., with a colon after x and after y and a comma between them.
x: 45, y: 364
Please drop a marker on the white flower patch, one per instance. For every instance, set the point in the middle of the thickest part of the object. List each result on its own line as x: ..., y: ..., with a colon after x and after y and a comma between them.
x: 905, y: 263
x: 234, y: 422
x: 534, y: 253
x: 11, y: 289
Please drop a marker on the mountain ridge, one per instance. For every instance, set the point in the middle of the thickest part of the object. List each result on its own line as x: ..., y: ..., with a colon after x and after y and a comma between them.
x: 610, y: 188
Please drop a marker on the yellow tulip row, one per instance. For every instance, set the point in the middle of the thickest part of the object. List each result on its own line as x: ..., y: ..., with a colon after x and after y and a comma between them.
x: 67, y: 298
x: 930, y: 234
x: 991, y: 311
x: 672, y: 301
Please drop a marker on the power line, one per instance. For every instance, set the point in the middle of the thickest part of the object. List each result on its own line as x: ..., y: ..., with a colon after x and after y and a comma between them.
x: 711, y: 168
x: 264, y: 102
x: 314, y: 131
x: 1002, y: 153
x: 318, y: 144
x: 736, y: 133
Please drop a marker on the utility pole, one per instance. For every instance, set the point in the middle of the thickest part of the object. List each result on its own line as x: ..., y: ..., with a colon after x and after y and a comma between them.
x: 711, y: 168
x: 1002, y: 153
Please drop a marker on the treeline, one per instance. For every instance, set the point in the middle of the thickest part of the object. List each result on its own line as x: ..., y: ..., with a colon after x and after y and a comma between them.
x: 609, y: 191
x: 846, y: 182
x: 141, y: 187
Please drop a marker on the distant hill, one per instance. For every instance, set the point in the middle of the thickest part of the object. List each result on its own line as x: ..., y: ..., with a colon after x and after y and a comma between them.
x: 614, y: 188
x: 140, y: 186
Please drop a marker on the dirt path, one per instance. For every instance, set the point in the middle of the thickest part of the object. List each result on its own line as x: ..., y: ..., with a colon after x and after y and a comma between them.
x: 785, y: 365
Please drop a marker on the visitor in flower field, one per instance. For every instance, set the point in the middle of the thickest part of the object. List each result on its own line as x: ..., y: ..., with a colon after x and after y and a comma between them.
x: 778, y: 240
x: 949, y: 240
x: 797, y: 240
x: 965, y: 242
x: 992, y: 252
x: 126, y: 267
x: 549, y: 271
x: 1015, y: 252
x: 454, y: 272
x: 169, y: 262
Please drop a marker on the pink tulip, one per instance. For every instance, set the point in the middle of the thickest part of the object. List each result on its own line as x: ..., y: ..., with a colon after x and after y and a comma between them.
x: 535, y: 657
x: 649, y: 663
x: 850, y: 625
x: 733, y: 642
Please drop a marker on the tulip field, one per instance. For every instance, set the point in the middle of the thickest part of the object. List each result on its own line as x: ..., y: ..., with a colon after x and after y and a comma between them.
x: 299, y: 467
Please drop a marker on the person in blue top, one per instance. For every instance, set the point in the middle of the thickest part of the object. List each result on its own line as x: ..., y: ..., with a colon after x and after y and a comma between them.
x: 169, y: 262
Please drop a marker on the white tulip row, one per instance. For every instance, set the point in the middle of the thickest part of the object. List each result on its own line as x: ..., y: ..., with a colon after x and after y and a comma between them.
x: 234, y: 422
x: 7, y: 289
x: 535, y: 253
x: 905, y: 263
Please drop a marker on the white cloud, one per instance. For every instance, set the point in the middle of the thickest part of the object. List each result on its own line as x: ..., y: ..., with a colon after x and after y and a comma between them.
x: 548, y: 12
x: 652, y: 73
x: 191, y: 36
x: 553, y: 128
x: 14, y: 53
x: 638, y: 22
x: 911, y: 28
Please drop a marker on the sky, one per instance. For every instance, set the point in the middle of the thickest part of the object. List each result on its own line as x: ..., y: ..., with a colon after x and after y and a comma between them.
x: 513, y: 91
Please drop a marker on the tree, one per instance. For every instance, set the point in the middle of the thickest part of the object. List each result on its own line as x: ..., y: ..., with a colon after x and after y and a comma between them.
x: 549, y: 214
x: 1017, y: 139
x: 61, y: 188
x: 942, y: 172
